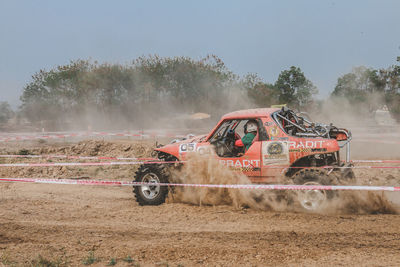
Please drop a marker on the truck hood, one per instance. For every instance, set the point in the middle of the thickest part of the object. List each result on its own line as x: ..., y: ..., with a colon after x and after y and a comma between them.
x: 173, y: 148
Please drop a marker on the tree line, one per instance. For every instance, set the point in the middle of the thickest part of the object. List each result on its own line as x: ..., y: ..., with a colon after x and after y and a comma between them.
x: 368, y: 89
x: 149, y: 89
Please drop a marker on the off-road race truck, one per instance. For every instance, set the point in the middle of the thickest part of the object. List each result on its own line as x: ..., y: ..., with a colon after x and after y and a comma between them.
x: 285, y: 143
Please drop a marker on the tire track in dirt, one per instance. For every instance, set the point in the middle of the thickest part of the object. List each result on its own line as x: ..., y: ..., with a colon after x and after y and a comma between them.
x: 274, y: 247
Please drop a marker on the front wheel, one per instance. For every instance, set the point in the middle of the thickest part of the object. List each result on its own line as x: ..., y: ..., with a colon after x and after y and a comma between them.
x: 151, y: 194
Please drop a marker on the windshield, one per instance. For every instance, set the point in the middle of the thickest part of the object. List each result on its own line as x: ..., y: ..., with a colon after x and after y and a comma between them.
x: 222, y: 130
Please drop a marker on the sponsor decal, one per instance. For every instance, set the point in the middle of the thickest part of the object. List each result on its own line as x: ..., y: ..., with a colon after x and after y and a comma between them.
x: 305, y: 144
x: 192, y: 147
x: 241, y: 163
x: 298, y: 150
x: 244, y: 169
x: 268, y: 123
x: 188, y: 147
x: 273, y: 131
x: 204, y: 150
x: 275, y: 148
x: 318, y: 149
x: 275, y: 152
x: 308, y: 150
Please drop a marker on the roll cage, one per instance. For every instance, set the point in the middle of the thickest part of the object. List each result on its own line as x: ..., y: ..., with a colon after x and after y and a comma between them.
x: 295, y: 125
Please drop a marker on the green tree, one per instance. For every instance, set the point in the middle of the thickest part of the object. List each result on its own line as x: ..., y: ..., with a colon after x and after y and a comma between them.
x: 391, y: 78
x: 362, y: 87
x: 52, y: 95
x: 190, y: 84
x: 262, y: 94
x: 149, y: 87
x: 294, y: 88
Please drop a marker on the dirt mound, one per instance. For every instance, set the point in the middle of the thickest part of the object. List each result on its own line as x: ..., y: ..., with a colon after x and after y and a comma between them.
x: 84, y: 148
x: 100, y: 148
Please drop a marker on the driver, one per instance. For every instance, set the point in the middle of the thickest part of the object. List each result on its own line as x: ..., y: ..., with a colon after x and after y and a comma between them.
x: 250, y: 130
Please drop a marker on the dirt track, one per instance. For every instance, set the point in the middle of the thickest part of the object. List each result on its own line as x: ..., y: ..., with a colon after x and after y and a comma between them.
x: 66, y: 223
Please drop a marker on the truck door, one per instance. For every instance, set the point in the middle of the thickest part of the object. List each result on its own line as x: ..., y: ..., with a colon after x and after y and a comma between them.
x: 274, y: 152
x: 248, y: 162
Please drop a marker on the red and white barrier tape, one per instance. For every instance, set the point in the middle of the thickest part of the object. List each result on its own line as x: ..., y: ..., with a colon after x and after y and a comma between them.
x: 54, y: 164
x: 8, y: 137
x: 87, y: 134
x: 150, y: 159
x: 57, y: 164
x: 44, y: 156
x: 374, y: 161
x: 231, y: 186
x: 74, y: 157
x: 355, y: 167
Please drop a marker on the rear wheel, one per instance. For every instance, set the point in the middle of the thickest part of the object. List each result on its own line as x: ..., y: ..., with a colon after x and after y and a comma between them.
x: 344, y: 177
x: 151, y: 194
x: 313, y: 199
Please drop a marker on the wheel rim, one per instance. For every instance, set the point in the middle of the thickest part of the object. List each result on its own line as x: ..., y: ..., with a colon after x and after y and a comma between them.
x: 312, y: 199
x: 150, y: 191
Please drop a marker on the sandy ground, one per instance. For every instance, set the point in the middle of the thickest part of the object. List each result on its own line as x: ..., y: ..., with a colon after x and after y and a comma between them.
x: 71, y: 225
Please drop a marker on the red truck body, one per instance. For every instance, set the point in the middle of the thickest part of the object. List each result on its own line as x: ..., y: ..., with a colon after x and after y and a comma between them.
x: 273, y: 152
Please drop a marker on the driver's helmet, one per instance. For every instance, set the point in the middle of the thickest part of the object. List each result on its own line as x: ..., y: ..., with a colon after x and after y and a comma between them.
x: 250, y: 126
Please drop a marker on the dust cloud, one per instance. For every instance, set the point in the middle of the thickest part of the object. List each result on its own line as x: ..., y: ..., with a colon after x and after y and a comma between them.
x: 204, y: 169
x: 343, y: 113
x: 164, y: 113
x: 375, y: 133
x: 361, y: 202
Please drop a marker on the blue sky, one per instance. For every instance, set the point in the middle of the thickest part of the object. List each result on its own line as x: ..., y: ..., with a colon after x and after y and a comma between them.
x: 324, y: 38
